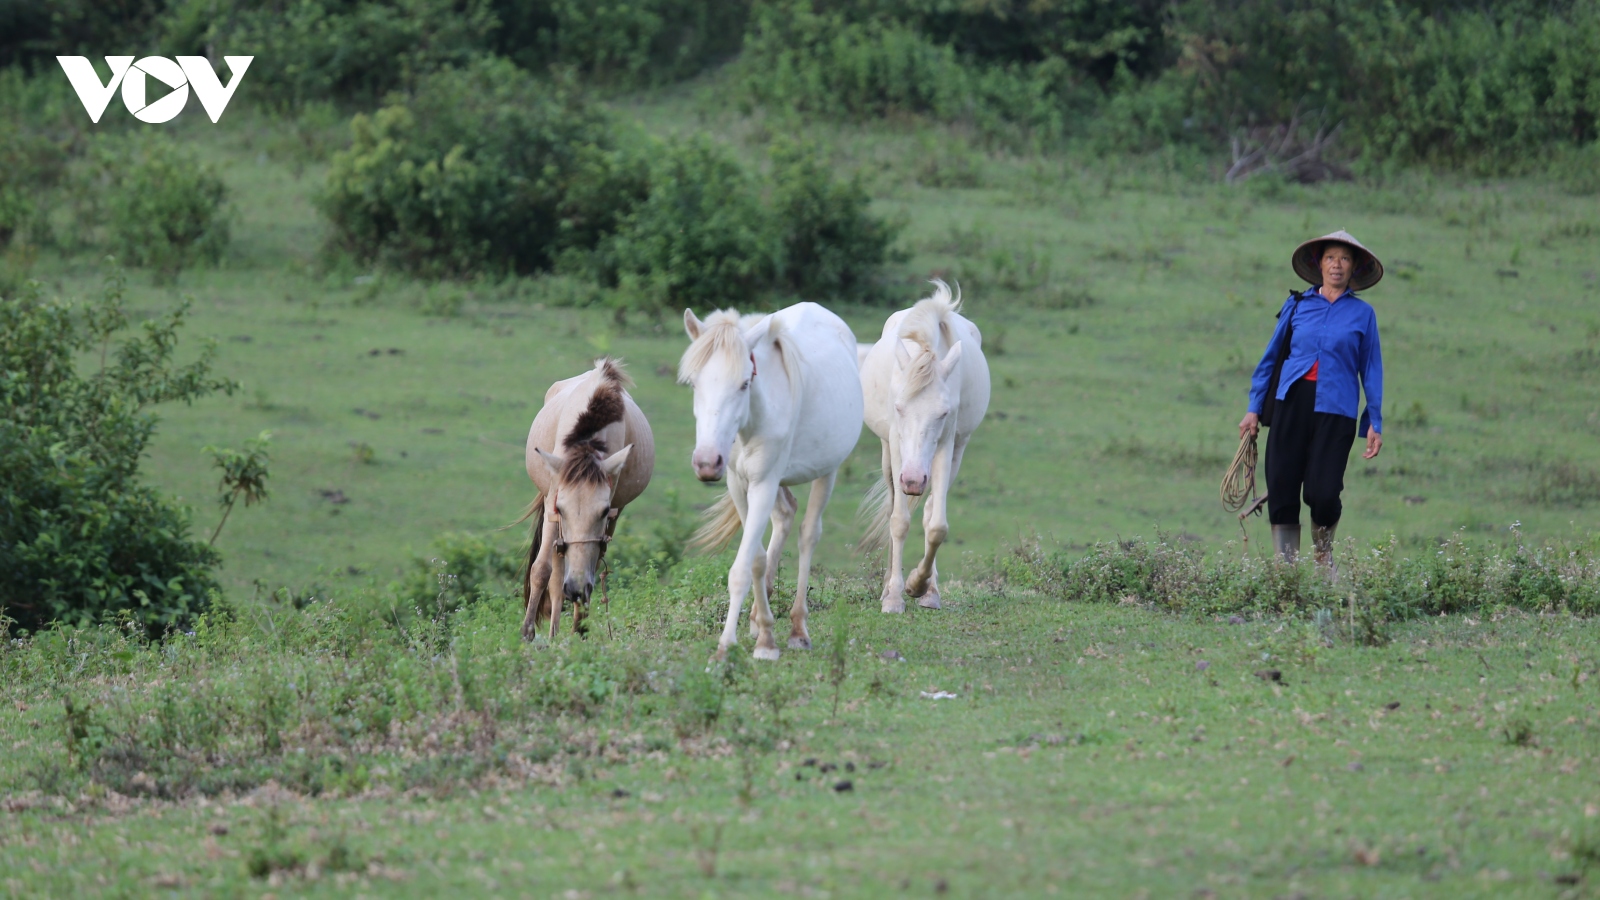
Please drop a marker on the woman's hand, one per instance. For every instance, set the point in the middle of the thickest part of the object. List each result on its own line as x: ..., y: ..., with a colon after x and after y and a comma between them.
x: 1250, y: 424
x: 1374, y: 443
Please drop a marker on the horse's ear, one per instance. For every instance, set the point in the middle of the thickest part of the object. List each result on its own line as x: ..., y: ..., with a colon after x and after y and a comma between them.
x: 691, y: 324
x: 901, y: 354
x: 756, y: 332
x: 948, y: 364
x: 551, y: 461
x: 612, y: 464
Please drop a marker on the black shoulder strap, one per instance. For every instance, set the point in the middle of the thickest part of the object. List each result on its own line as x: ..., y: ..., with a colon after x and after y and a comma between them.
x: 1298, y: 296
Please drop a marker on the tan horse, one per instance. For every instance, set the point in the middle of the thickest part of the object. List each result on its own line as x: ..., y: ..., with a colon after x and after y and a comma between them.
x: 604, y: 455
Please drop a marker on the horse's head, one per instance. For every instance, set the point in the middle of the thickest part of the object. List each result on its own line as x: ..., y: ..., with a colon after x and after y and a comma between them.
x: 720, y: 364
x: 926, y: 390
x: 583, y: 515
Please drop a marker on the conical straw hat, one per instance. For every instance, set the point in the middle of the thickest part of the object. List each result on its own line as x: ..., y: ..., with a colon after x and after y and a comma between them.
x: 1308, y: 256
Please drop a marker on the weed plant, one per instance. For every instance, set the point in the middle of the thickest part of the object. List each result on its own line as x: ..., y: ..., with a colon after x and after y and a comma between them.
x: 1385, y: 582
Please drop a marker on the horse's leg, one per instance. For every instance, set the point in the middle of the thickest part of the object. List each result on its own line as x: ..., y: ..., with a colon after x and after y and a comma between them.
x: 810, y: 534
x: 894, y: 583
x: 760, y: 499
x: 557, y: 592
x: 924, y: 580
x: 782, y: 521
x: 538, y: 584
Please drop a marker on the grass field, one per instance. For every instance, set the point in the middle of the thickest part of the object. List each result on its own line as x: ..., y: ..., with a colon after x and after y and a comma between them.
x: 1090, y: 749
x: 1122, y: 310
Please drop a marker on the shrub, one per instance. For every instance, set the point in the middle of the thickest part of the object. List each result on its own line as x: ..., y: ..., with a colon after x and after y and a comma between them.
x: 1493, y: 86
x: 700, y: 237
x: 81, y: 539
x: 161, y: 207
x: 353, y: 50
x: 458, y: 569
x: 36, y: 142
x: 828, y: 63
x: 482, y: 168
x: 827, y: 242
x: 620, y: 43
x: 705, y: 236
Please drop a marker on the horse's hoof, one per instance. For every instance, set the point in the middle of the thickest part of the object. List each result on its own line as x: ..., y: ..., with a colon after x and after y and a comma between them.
x: 930, y: 600
x: 767, y: 653
x: 894, y: 605
x: 799, y: 643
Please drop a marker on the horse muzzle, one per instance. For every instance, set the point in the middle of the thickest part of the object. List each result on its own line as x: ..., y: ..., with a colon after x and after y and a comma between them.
x: 709, y: 465
x: 577, y: 591
x: 913, y: 483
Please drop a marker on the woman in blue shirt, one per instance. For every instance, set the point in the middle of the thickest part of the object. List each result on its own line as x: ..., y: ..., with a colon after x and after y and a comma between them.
x: 1334, y: 346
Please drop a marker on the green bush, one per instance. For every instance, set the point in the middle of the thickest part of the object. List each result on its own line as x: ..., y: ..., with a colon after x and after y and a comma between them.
x: 161, y: 207
x: 321, y: 50
x: 700, y: 236
x: 827, y: 242
x: 457, y: 571
x: 481, y: 169
x: 36, y: 142
x: 710, y: 234
x: 1495, y: 87
x: 828, y: 63
x: 620, y: 43
x: 81, y: 539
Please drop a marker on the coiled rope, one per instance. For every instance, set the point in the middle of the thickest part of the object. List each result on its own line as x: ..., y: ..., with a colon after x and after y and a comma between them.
x: 1239, y: 483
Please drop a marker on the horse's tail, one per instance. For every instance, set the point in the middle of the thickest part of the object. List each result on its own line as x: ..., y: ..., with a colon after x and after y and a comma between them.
x: 875, y: 509
x: 535, y: 512
x: 722, y: 523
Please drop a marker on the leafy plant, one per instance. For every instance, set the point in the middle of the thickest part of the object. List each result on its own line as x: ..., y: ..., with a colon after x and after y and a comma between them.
x: 456, y: 571
x: 162, y: 207
x: 699, y: 238
x: 828, y: 243
x: 480, y: 169
x: 244, y: 474
x: 81, y: 538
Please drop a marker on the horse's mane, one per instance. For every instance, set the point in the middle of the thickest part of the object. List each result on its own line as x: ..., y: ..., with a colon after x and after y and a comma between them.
x: 924, y: 325
x: 722, y: 335
x: 607, y: 405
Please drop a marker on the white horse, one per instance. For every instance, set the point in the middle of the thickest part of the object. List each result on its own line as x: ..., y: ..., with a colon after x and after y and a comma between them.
x: 777, y: 402
x: 926, y: 387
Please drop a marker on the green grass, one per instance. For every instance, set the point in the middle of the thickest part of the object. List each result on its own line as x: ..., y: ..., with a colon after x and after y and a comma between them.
x: 1091, y: 750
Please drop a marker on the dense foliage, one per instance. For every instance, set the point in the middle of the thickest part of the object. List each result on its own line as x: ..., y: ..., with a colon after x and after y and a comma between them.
x: 356, y: 50
x: 81, y: 539
x: 697, y: 238
x: 1440, y: 82
x: 482, y: 168
x: 486, y: 170
x: 161, y: 207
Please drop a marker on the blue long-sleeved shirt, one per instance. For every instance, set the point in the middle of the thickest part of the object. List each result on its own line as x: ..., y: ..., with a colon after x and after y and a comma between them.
x: 1342, y: 338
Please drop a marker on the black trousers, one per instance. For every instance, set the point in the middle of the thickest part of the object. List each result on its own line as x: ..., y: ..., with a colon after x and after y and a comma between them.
x: 1310, y: 449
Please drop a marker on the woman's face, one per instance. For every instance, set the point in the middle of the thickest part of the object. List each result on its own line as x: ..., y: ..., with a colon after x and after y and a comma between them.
x: 1337, y: 264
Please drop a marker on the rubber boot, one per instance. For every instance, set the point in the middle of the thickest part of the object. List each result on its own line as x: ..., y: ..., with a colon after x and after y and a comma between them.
x: 1322, y: 545
x: 1286, y: 542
